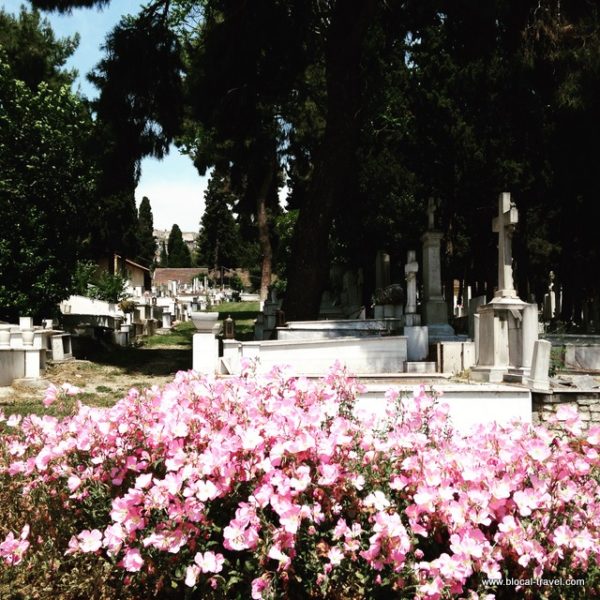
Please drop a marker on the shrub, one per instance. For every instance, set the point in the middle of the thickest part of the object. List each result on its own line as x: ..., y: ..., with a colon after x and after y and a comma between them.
x: 279, y: 487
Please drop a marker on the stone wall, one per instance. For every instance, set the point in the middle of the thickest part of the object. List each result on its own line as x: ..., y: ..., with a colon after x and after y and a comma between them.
x: 586, y: 402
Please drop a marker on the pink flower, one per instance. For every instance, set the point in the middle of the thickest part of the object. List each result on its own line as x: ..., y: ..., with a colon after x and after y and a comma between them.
x: 191, y: 575
x: 335, y: 556
x: 132, y: 561
x: 567, y: 412
x: 12, y: 550
x: 209, y: 562
x: 259, y: 585
x: 69, y: 389
x: 114, y: 535
x: 90, y: 541
x: 143, y: 481
x: 73, y: 483
x: 377, y: 500
x: 538, y: 450
x: 50, y: 395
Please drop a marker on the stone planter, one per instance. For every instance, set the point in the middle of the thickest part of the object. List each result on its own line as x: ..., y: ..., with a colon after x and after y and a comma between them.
x: 206, y: 322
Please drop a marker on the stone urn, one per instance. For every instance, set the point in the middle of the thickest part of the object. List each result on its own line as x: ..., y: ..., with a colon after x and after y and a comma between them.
x: 27, y: 335
x: 206, y: 322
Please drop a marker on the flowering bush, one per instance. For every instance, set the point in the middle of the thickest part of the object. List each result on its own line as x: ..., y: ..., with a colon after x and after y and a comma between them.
x: 274, y: 487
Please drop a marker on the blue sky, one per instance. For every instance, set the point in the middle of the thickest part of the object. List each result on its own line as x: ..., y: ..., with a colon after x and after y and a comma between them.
x: 175, y: 189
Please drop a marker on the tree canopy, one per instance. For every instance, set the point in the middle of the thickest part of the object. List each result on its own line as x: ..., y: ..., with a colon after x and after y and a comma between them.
x: 369, y: 110
x: 46, y: 185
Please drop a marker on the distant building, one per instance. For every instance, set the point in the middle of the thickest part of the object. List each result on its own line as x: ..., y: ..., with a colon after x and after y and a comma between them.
x: 137, y: 276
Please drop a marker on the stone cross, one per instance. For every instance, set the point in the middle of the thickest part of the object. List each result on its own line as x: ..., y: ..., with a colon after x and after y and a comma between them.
x: 431, y: 214
x: 504, y: 225
x: 410, y: 270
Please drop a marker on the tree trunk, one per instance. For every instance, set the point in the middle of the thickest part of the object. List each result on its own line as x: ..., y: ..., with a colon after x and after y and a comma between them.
x: 335, y: 163
x: 262, y: 224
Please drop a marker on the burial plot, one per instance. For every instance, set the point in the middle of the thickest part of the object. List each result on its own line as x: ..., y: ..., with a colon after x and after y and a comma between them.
x: 507, y: 327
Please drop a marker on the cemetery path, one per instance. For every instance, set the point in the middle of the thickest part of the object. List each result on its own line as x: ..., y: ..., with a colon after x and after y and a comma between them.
x: 103, y: 377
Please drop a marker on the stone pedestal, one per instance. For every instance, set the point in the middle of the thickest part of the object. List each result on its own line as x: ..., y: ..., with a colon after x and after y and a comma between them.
x: 417, y: 341
x: 205, y: 353
x: 26, y: 322
x: 32, y: 363
x: 506, y: 333
x: 412, y: 320
x: 434, y: 307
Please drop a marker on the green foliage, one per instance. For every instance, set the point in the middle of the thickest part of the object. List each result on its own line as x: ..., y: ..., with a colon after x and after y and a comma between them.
x: 177, y: 251
x: 284, y: 229
x: 164, y: 257
x: 371, y: 110
x: 236, y: 283
x: 83, y: 277
x: 219, y: 242
x: 32, y: 51
x: 46, y: 185
x: 109, y: 287
x: 146, y: 239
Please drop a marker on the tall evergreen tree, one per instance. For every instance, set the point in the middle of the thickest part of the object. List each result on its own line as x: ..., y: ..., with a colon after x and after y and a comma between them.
x: 33, y: 53
x: 164, y: 257
x: 219, y: 242
x: 178, y: 253
x: 146, y: 239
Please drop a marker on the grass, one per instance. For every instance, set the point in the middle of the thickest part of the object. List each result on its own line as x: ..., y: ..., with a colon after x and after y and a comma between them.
x: 244, y: 314
x: 180, y: 335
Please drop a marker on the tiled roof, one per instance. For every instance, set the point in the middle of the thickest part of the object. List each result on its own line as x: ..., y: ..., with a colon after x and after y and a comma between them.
x: 182, y: 275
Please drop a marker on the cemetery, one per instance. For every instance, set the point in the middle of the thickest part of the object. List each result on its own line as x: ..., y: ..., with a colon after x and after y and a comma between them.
x: 299, y: 300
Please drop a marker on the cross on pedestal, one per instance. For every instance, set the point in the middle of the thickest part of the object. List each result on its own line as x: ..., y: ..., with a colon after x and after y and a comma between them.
x: 504, y: 225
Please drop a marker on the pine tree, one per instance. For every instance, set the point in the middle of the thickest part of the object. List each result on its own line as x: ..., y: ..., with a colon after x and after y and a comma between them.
x: 164, y: 257
x: 146, y: 239
x: 179, y: 253
x: 219, y: 242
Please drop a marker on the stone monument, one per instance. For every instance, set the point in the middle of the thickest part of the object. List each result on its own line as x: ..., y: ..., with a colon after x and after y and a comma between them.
x: 434, y: 307
x: 416, y: 335
x: 506, y: 328
x: 410, y: 270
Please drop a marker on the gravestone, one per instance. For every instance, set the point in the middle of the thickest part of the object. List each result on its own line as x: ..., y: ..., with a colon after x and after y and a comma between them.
x: 410, y: 269
x: 417, y: 336
x: 549, y: 311
x: 507, y: 327
x: 434, y: 307
x: 540, y: 366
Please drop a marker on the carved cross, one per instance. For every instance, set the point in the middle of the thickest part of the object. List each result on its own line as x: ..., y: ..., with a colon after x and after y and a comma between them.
x: 504, y: 225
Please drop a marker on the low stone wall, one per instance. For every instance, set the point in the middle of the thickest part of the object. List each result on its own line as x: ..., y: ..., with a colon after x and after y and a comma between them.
x: 587, y: 402
x: 12, y: 365
x: 314, y: 357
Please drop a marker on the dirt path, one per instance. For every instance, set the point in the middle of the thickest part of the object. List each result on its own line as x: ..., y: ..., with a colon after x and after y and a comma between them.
x: 103, y: 377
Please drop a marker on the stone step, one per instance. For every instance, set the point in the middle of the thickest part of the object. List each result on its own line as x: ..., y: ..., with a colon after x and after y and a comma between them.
x: 419, y: 367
